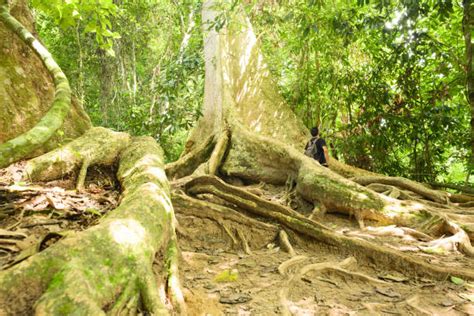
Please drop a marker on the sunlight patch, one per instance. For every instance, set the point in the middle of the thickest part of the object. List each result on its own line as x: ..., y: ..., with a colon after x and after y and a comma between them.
x: 127, y: 232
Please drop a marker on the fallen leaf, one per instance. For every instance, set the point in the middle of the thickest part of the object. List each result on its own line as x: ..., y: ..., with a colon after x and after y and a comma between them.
x: 456, y: 280
x: 227, y: 276
x: 467, y: 296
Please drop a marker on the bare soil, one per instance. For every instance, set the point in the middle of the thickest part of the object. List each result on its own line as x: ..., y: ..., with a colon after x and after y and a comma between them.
x: 256, y: 287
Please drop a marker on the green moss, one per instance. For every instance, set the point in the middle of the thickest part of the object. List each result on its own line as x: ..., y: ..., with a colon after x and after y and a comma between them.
x: 67, y: 307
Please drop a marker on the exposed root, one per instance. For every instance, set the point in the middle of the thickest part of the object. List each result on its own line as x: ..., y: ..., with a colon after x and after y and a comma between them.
x: 458, y: 241
x: 284, y: 266
x: 19, y: 147
x: 218, y: 152
x: 318, y: 211
x: 150, y: 293
x: 173, y: 282
x: 184, y: 204
x: 85, y: 270
x: 82, y: 174
x: 285, y: 243
x: 283, y: 294
x: 402, y: 232
x: 230, y: 234
x: 436, y: 196
x: 368, y: 250
x: 245, y: 244
x: 191, y: 160
x: 121, y: 303
x: 356, y: 275
x: 98, y: 146
x: 396, y: 193
x: 235, y: 195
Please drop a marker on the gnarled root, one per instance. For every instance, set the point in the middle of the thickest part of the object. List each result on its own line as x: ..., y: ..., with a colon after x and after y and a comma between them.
x: 98, y: 146
x: 191, y: 160
x: 89, y: 270
x: 316, y: 267
x: 19, y: 147
x: 285, y: 243
x: 436, y: 196
x: 258, y: 158
x: 370, y: 251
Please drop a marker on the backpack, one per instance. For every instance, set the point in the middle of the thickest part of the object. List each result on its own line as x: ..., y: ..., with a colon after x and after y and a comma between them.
x: 312, y: 149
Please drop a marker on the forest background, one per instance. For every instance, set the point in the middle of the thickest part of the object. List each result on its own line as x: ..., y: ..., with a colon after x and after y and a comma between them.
x: 384, y: 80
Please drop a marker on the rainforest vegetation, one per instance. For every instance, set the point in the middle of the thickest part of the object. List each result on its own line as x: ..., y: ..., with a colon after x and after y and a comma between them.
x: 153, y: 157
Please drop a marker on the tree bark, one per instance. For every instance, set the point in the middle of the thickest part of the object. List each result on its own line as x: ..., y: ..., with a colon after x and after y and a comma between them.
x: 16, y: 145
x: 110, y: 263
x: 468, y: 28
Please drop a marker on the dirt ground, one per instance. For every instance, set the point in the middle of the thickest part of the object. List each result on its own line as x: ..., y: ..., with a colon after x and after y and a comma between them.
x: 220, y: 278
x: 253, y: 284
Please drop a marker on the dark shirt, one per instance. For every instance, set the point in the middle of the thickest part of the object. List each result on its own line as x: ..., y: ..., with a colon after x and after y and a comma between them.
x: 320, y: 142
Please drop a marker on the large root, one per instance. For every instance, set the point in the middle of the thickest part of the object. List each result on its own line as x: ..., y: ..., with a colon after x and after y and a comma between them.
x: 20, y: 146
x: 436, y: 196
x: 257, y: 158
x: 359, y: 247
x: 98, y: 146
x: 191, y: 160
x: 108, y: 265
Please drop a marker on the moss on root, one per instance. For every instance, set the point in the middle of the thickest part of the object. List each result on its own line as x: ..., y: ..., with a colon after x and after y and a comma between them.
x: 86, y: 272
x: 33, y: 124
x: 98, y: 146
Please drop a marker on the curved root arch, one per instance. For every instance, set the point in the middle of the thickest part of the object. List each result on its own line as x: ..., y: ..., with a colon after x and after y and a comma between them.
x: 108, y: 267
x: 19, y: 147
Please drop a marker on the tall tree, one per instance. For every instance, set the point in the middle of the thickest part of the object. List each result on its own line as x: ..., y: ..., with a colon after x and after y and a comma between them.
x: 468, y: 28
x: 247, y: 134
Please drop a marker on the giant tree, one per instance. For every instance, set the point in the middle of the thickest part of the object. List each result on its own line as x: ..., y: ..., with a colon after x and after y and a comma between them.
x: 247, y: 134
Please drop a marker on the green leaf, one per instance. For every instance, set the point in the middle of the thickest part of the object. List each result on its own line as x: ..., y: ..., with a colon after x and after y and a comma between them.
x: 93, y: 211
x: 456, y: 280
x: 227, y: 276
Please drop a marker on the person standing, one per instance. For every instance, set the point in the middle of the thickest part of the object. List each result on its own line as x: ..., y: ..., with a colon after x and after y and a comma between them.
x: 317, y: 148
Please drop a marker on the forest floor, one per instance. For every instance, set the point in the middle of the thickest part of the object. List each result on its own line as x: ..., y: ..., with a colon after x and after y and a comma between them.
x: 219, y: 278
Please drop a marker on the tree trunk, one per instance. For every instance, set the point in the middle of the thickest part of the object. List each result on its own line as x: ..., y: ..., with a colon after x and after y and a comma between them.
x: 468, y: 28
x: 109, y: 264
x: 266, y: 140
x: 35, y: 114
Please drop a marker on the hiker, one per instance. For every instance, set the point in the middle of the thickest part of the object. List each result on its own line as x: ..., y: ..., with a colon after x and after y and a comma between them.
x: 316, y: 148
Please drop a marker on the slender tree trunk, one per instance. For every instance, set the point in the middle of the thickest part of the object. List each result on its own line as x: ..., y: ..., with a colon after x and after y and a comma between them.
x: 106, y: 86
x: 468, y: 27
x: 80, y: 77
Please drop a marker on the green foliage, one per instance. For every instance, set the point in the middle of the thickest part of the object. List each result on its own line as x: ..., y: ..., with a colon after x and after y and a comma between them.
x: 384, y: 80
x: 150, y: 82
x: 96, y: 15
x: 227, y: 276
x: 456, y: 280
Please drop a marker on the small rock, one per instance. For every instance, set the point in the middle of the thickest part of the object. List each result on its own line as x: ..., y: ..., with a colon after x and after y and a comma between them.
x: 388, y: 292
x: 235, y: 299
x: 447, y: 303
x: 209, y: 286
